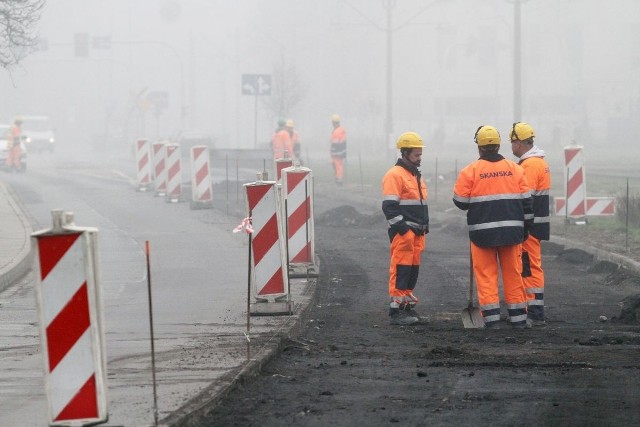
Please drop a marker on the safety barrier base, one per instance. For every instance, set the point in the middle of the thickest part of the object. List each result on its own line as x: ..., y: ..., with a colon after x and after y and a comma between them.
x: 303, y: 269
x: 271, y: 308
x: 201, y: 205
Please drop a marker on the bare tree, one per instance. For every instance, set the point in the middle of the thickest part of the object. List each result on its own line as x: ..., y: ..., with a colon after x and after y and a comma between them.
x: 17, y: 33
x: 288, y: 90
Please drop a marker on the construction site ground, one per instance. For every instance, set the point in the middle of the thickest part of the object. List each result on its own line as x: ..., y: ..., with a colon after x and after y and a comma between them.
x: 348, y: 366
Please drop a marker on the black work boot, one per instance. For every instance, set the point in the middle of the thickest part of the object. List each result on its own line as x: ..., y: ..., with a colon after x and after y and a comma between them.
x: 401, y: 317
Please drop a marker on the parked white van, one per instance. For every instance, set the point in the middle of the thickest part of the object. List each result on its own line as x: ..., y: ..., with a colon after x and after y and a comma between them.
x: 39, y: 133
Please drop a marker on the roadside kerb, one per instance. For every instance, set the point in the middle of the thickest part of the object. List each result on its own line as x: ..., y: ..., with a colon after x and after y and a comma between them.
x: 16, y: 254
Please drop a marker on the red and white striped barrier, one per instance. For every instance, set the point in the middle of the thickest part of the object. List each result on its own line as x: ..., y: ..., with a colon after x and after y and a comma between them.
x: 201, y: 187
x: 269, y: 273
x: 143, y: 164
x: 71, y: 331
x: 173, y: 163
x: 596, y: 206
x: 159, y: 168
x: 280, y: 164
x: 575, y: 183
x: 297, y: 191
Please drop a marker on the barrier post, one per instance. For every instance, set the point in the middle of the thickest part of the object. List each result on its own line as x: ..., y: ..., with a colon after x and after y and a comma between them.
x: 173, y: 164
x: 159, y: 168
x: 297, y: 191
x: 576, y: 187
x: 201, y: 188
x: 71, y: 322
x: 269, y: 272
x: 285, y: 162
x: 143, y: 164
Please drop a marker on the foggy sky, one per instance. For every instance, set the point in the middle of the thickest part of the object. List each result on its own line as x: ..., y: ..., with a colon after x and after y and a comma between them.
x: 452, y: 67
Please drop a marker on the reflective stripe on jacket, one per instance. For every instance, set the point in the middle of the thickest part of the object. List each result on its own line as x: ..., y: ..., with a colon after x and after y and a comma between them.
x: 404, y: 201
x: 538, y: 176
x: 496, y: 196
x: 339, y: 142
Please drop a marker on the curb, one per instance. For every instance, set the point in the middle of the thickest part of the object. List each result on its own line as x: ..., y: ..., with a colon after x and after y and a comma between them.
x: 22, y: 262
x: 599, y: 254
x: 195, y: 412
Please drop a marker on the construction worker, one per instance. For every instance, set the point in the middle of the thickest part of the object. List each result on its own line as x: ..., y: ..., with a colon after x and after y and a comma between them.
x: 14, y: 151
x: 496, y: 196
x: 295, y: 140
x: 281, y: 141
x: 405, y: 207
x: 338, y: 149
x: 538, y: 176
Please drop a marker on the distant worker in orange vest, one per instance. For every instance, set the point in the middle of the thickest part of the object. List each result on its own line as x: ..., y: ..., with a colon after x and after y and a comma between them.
x: 14, y: 151
x: 295, y: 140
x: 338, y: 149
x: 405, y: 207
x: 281, y: 142
x: 495, y: 193
x: 538, y: 176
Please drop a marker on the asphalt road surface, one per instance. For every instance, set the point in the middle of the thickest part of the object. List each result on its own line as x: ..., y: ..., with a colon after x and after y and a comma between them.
x: 350, y: 367
x: 199, y: 292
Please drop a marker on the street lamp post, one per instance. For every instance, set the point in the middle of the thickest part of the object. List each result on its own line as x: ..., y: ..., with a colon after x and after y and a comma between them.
x: 517, y: 62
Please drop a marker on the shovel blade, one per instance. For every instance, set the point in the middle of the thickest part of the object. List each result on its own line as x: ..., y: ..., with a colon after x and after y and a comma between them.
x: 472, y: 318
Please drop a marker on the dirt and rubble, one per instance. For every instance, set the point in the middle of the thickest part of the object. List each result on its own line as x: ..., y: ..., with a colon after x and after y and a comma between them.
x: 348, y: 366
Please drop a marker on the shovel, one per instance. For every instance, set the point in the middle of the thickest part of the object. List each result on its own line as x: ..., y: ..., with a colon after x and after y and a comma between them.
x: 471, y: 316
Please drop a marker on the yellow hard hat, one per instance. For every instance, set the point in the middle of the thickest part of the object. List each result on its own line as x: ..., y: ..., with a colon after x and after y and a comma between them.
x: 521, y: 131
x: 335, y: 118
x: 409, y: 140
x: 487, y: 135
x: 289, y: 123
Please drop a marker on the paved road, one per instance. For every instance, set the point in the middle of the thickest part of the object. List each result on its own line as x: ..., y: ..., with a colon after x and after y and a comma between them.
x: 199, y: 272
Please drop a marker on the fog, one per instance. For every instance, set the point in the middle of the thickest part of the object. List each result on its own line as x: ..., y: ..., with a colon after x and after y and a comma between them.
x: 452, y: 69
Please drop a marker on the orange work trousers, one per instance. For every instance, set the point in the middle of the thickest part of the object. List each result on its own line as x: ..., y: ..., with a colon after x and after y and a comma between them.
x: 486, y: 262
x: 13, y: 157
x: 406, y: 250
x: 338, y: 168
x: 534, y: 277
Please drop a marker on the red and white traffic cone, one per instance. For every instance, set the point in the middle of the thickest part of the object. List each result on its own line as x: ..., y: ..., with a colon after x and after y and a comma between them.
x: 285, y: 162
x: 143, y: 164
x: 173, y: 164
x: 576, y: 187
x: 71, y: 325
x: 201, y: 188
x: 159, y: 168
x: 297, y: 191
x: 269, y: 271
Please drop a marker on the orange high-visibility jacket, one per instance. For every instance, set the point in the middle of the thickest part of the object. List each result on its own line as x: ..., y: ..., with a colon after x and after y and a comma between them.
x: 339, y: 142
x: 404, y: 201
x: 496, y: 195
x: 281, y: 142
x: 538, y: 176
x: 14, y: 136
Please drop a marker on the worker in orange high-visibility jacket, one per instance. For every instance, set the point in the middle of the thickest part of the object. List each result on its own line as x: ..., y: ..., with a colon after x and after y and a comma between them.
x: 405, y: 207
x: 14, y: 150
x: 281, y: 142
x: 497, y: 198
x: 538, y: 176
x: 295, y: 141
x: 338, y: 149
